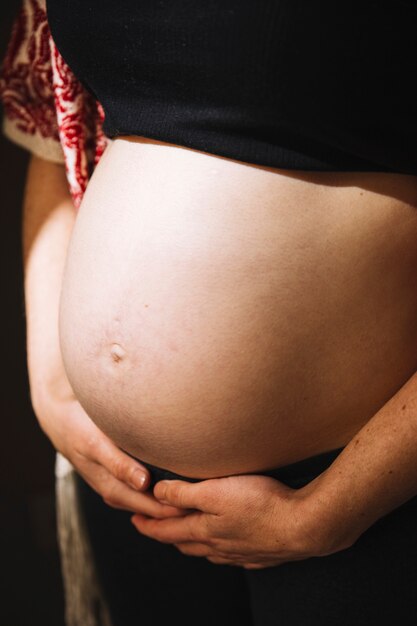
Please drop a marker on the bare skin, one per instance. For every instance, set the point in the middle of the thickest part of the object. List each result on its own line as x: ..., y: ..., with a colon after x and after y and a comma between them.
x: 48, y: 220
x: 219, y: 317
x: 249, y: 521
x: 256, y: 522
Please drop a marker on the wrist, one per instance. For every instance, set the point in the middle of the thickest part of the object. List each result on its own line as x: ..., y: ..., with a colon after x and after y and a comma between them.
x: 49, y: 386
x: 323, y: 522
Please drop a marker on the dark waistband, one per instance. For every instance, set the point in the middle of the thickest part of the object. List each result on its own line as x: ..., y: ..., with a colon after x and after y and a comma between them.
x: 294, y: 475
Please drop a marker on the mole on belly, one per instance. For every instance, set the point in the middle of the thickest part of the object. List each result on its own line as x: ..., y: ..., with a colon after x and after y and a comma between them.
x: 116, y: 352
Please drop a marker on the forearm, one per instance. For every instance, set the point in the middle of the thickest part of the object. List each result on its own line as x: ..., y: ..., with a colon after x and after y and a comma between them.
x: 375, y: 473
x: 48, y: 220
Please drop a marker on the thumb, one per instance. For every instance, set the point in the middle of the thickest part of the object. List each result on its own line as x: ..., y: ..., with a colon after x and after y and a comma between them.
x: 185, y: 495
x: 121, y: 465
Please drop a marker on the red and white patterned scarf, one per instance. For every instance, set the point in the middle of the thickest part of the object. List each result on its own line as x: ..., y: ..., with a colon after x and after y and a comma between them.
x: 46, y: 109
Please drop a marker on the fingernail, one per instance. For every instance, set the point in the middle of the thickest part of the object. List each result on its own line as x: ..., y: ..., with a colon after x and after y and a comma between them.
x: 138, y: 480
x: 162, y: 488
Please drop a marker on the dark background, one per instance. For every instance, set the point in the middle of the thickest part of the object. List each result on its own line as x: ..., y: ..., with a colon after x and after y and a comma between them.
x: 31, y: 585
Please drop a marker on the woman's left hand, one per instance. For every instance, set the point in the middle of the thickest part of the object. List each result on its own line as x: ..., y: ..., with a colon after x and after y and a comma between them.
x: 246, y: 520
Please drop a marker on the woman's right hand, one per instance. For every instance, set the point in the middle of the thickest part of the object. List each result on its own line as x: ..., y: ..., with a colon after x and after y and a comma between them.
x: 119, y: 479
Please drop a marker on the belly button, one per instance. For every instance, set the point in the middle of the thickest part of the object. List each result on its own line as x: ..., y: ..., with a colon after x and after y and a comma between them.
x: 116, y: 352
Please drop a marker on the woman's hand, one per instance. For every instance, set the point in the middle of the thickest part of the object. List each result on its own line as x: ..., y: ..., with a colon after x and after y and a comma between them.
x: 249, y: 521
x: 119, y: 479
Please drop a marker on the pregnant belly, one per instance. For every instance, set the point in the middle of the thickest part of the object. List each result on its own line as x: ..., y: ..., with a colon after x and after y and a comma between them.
x: 219, y: 317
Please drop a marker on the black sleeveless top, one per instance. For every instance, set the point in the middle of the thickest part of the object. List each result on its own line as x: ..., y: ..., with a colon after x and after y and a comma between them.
x: 293, y: 84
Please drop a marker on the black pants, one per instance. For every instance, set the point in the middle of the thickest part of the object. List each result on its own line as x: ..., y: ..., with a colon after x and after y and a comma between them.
x: 147, y: 583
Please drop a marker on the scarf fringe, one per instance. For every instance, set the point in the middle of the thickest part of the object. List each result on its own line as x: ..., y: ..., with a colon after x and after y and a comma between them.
x: 85, y: 604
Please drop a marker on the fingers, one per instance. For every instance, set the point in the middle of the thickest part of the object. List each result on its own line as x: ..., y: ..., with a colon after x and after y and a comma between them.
x: 118, y: 495
x: 191, y: 527
x: 194, y: 549
x: 218, y: 560
x: 187, y: 495
x: 202, y: 550
x: 120, y: 464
